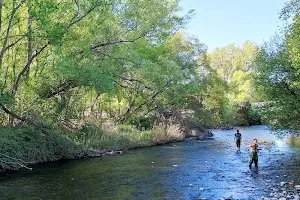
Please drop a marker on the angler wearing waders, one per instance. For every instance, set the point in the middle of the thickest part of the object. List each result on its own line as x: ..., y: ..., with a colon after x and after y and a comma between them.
x: 254, y: 154
x: 238, y: 139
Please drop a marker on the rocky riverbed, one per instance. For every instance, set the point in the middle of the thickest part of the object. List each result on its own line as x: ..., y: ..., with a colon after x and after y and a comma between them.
x: 190, y: 170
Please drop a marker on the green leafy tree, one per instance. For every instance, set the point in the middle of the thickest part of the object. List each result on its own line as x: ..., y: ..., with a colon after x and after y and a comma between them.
x: 233, y: 65
x: 58, y: 55
x: 277, y: 82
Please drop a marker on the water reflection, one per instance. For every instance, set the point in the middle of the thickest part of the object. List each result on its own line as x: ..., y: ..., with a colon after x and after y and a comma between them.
x: 189, y: 170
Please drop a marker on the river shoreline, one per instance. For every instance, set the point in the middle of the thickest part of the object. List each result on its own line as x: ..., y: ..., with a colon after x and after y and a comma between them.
x: 72, y: 151
x: 82, y: 154
x: 192, y: 169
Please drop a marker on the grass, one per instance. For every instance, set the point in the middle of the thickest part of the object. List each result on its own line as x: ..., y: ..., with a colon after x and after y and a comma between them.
x: 20, y: 146
x: 294, y: 140
x: 27, y: 145
x: 124, y: 137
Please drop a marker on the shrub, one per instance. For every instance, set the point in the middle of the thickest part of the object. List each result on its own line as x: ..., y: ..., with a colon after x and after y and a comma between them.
x: 167, y: 133
x: 29, y: 145
x: 126, y: 128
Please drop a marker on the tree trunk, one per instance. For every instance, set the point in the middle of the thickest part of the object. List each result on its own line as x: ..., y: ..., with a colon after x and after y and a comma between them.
x: 1, y: 15
x: 29, y: 35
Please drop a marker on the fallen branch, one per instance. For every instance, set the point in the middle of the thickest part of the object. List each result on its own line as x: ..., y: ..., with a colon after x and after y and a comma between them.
x: 16, y: 159
x: 18, y: 164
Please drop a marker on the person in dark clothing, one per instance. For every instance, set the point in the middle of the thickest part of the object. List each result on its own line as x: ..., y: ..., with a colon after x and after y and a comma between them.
x: 238, y: 139
x: 253, y: 154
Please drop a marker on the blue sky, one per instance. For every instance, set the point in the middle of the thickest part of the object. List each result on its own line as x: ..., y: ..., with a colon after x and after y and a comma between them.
x: 218, y: 23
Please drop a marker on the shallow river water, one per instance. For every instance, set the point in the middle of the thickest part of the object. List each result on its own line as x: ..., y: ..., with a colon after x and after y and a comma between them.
x: 191, y: 169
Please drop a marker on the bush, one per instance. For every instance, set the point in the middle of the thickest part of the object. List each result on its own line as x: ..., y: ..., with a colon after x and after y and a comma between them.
x: 20, y: 146
x: 29, y: 145
x: 126, y: 128
x: 254, y: 117
x: 167, y: 133
x: 143, y: 123
x: 294, y: 140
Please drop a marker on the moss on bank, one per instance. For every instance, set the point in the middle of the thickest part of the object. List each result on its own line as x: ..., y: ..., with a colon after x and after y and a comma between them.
x: 22, y: 146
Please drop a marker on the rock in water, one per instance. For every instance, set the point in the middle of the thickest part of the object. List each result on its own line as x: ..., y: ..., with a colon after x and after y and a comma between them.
x: 297, y: 197
x: 297, y: 187
x: 195, y: 133
x: 282, y: 184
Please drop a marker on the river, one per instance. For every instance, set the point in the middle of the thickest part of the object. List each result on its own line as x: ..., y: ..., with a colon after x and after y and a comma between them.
x: 192, y: 169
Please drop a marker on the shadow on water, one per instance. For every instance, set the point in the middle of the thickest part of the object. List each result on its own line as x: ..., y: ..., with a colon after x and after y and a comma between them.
x: 189, y: 170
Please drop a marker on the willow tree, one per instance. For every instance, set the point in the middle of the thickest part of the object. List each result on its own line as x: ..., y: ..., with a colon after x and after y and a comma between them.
x: 234, y: 66
x: 165, y: 77
x: 54, y: 53
x: 277, y: 73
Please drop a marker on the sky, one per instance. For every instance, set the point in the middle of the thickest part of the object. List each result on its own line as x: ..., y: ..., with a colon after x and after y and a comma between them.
x: 218, y: 23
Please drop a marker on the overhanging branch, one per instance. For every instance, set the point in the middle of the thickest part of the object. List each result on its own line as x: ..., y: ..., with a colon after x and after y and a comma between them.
x: 44, y: 128
x: 115, y: 42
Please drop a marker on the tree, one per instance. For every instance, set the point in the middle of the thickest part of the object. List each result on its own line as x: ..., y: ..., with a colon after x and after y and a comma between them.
x: 277, y: 76
x: 233, y: 65
x: 55, y: 54
x: 163, y: 81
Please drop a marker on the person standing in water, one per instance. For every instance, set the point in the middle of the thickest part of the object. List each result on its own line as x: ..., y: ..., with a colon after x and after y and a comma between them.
x: 253, y: 154
x: 238, y: 139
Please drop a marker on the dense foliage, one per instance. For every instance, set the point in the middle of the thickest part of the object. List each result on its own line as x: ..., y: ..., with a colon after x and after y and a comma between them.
x: 66, y: 65
x: 230, y: 93
x: 277, y: 73
x: 64, y: 61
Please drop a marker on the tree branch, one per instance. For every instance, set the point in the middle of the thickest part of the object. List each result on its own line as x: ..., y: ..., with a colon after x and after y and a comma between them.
x: 77, y: 12
x: 5, y: 80
x: 14, y: 163
x: 151, y: 99
x: 14, y: 43
x: 14, y: 10
x: 0, y: 14
x: 83, y: 16
x: 1, y: 154
x: 136, y: 80
x: 44, y: 128
x: 115, y: 42
x: 16, y: 84
x: 7, y: 111
x: 62, y: 88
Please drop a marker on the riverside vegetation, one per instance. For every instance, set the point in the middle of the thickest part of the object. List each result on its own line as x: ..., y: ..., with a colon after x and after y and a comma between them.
x: 77, y: 77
